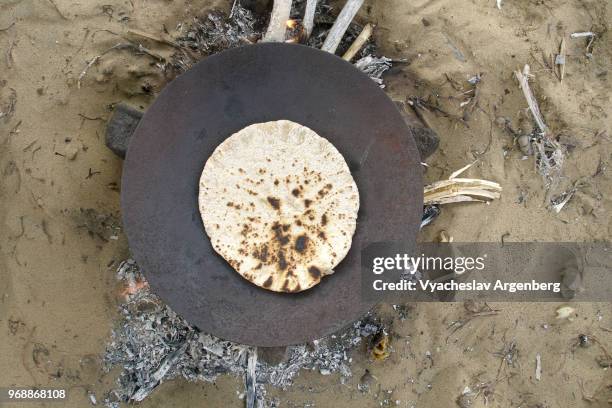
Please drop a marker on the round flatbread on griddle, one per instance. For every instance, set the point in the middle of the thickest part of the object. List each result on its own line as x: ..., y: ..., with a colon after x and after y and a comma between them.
x: 279, y: 204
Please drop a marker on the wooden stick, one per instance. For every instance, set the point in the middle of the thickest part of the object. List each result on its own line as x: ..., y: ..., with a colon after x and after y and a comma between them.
x: 278, y: 21
x: 531, y: 101
x: 359, y: 42
x: 562, y: 60
x: 162, y: 40
x: 308, y: 20
x: 251, y: 379
x: 342, y: 23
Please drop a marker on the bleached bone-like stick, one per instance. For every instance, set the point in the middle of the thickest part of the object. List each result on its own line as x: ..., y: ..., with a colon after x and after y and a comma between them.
x: 250, y: 379
x: 359, y: 42
x: 308, y: 20
x: 341, y: 24
x: 278, y: 21
x: 582, y: 34
x: 561, y: 60
x: 531, y: 101
x: 459, y: 189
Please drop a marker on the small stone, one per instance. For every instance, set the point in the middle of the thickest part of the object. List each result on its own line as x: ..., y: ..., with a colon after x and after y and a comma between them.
x: 427, y: 140
x: 71, y: 151
x: 501, y: 121
x: 524, y: 142
x: 120, y: 128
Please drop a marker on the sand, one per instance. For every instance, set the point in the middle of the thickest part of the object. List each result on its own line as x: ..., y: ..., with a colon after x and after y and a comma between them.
x: 61, y: 238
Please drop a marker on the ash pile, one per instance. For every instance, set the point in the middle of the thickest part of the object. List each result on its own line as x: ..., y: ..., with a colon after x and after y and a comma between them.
x: 245, y: 24
x: 153, y: 344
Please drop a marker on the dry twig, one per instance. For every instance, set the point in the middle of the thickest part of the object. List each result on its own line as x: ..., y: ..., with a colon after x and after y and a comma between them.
x: 278, y: 21
x: 162, y: 40
x: 340, y: 26
x: 560, y: 60
x: 456, y: 190
x: 361, y: 39
x: 523, y: 78
x: 119, y: 46
x: 309, y: 14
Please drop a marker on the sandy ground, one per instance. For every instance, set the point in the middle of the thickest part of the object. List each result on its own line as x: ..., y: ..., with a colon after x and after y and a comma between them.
x: 61, y: 239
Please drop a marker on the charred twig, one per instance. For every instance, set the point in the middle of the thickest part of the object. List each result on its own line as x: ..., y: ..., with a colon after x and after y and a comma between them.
x: 278, y: 21
x: 340, y: 26
x: 361, y: 39
x: 420, y: 103
x: 92, y: 173
x: 161, y: 371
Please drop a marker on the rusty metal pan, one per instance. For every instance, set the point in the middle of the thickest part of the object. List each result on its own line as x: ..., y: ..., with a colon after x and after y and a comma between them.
x: 219, y: 96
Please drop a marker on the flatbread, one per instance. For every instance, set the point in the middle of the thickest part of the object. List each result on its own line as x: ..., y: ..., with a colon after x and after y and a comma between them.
x: 279, y: 204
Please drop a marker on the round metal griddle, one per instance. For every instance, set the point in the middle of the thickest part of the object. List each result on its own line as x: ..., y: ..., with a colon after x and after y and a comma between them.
x: 219, y: 96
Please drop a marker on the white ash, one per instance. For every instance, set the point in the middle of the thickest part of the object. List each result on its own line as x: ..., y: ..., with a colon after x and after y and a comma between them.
x: 153, y: 344
x: 211, y: 34
x: 374, y: 67
x: 216, y: 32
x: 550, y: 156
